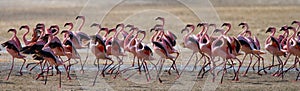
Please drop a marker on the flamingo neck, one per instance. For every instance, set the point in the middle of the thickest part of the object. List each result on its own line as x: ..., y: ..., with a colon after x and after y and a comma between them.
x: 81, y: 25
x: 24, y: 36
x: 229, y: 27
x: 153, y: 36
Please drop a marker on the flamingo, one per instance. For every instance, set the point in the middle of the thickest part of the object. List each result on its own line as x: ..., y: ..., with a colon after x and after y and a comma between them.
x: 12, y: 48
x: 115, y: 48
x: 143, y: 53
x: 292, y: 48
x: 250, y: 46
x: 99, y: 50
x: 272, y: 46
x: 221, y: 47
x: 81, y: 35
x: 75, y: 39
x: 205, y: 42
x: 190, y: 42
x: 50, y: 58
x: 34, y: 35
x: 160, y: 49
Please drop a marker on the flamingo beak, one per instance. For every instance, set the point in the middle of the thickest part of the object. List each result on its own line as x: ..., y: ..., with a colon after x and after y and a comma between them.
x: 295, y: 22
x: 69, y: 23
x: 21, y: 27
x: 159, y: 18
x: 268, y: 30
x: 290, y: 27
x: 11, y: 30
x: 185, y: 29
x: 94, y: 24
x: 64, y: 31
x: 199, y: 25
x: 78, y: 17
x: 119, y: 25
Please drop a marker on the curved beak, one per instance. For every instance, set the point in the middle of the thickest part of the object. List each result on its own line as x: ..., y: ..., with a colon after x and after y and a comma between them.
x: 185, y: 29
x: 80, y: 17
x: 120, y: 25
x: 64, y: 31
x: 159, y: 18
x: 95, y: 24
x: 295, y: 22
x: 11, y: 30
x: 25, y: 26
x: 199, y: 24
x: 68, y: 23
x: 225, y: 24
x: 269, y: 30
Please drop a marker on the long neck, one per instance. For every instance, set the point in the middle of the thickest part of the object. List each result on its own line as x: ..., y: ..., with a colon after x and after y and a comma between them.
x: 126, y: 41
x: 81, y: 25
x: 229, y: 27
x: 201, y: 32
x: 153, y: 36
x: 71, y: 27
x: 24, y: 36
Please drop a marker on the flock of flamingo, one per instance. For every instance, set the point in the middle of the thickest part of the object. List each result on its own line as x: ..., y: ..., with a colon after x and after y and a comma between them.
x: 46, y: 47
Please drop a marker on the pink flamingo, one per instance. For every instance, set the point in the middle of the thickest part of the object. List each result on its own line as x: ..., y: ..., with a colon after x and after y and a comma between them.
x: 160, y: 49
x: 75, y: 39
x: 98, y: 48
x: 34, y: 35
x: 221, y: 47
x: 272, y: 46
x: 250, y: 46
x: 12, y: 48
x: 81, y: 35
x: 190, y: 42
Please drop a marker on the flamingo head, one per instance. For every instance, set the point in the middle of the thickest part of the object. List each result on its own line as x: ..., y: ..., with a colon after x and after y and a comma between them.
x: 54, y: 26
x: 68, y: 24
x: 185, y: 29
x: 202, y: 24
x: 24, y: 26
x: 40, y: 25
x: 218, y: 30
x: 130, y: 26
x: 291, y: 28
x: 284, y: 28
x: 95, y: 24
x: 120, y: 25
x: 243, y: 24
x: 296, y: 22
x: 213, y: 25
x: 64, y: 31
x: 270, y: 29
x: 190, y: 26
x: 112, y: 30
x: 160, y: 18
x: 226, y: 24
x: 12, y: 30
x: 82, y: 17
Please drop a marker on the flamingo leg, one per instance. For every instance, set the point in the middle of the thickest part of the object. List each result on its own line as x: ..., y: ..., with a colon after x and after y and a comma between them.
x: 272, y: 62
x: 187, y: 63
x: 11, y: 68
x: 224, y: 71
x: 237, y: 72
x: 159, y: 72
x: 248, y: 65
x: 195, y: 65
x: 98, y: 70
x: 24, y: 60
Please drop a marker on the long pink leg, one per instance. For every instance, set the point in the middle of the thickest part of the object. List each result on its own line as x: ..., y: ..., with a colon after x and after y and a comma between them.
x: 12, y: 66
x: 22, y: 67
x: 248, y: 65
